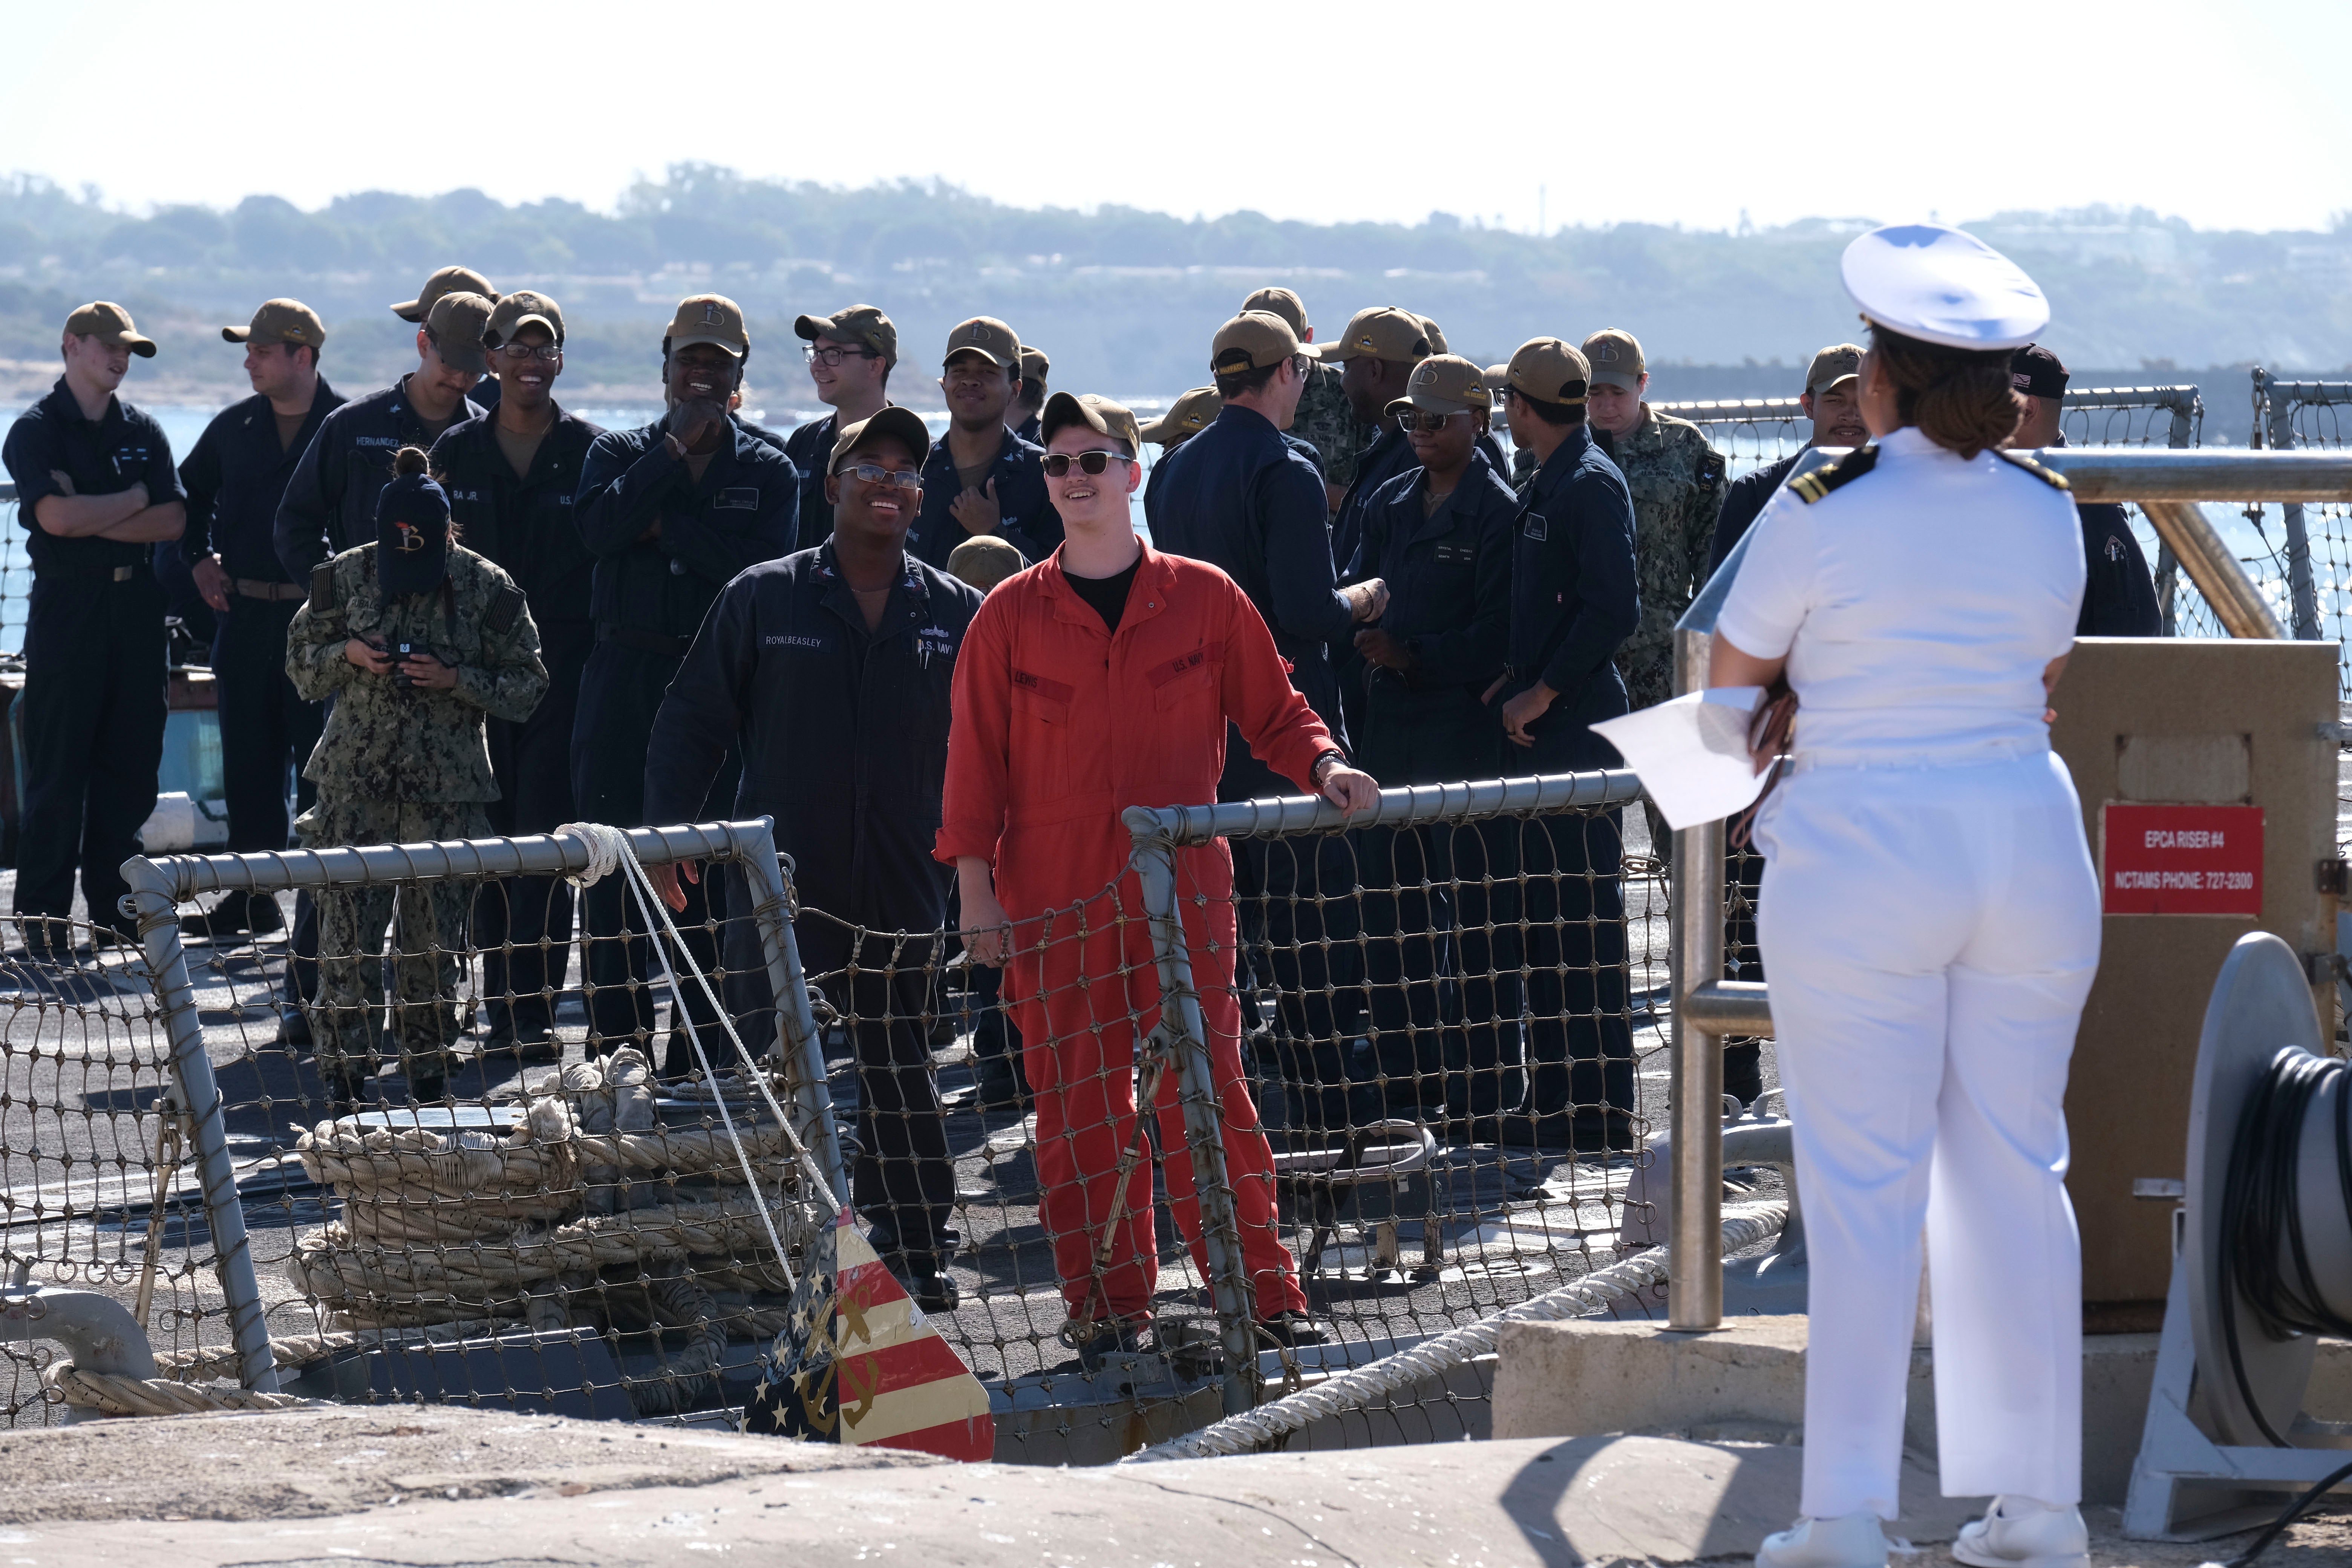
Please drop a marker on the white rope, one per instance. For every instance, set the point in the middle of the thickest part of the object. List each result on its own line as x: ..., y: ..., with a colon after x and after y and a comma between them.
x: 609, y: 849
x: 1360, y: 1386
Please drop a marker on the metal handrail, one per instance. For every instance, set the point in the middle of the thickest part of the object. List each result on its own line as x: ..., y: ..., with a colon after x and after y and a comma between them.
x: 2166, y: 484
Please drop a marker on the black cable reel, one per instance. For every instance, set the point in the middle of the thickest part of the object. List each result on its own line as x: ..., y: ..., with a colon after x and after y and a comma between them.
x: 2263, y: 1267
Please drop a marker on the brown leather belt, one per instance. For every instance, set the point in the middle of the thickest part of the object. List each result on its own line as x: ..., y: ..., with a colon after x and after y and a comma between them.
x: 273, y: 593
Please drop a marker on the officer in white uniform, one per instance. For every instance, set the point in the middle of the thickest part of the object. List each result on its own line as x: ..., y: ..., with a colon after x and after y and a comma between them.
x: 1929, y: 916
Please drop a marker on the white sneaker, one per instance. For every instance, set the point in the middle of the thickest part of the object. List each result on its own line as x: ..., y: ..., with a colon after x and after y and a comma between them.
x: 2019, y: 1532
x: 1855, y: 1540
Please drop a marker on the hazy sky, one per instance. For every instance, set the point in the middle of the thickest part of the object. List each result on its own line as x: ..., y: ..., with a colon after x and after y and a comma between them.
x: 1689, y: 110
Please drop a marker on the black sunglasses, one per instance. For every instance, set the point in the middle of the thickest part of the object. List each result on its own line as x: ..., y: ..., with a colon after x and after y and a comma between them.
x: 1057, y: 464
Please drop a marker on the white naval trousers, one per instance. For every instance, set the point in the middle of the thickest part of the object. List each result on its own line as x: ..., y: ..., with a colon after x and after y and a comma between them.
x: 1929, y: 934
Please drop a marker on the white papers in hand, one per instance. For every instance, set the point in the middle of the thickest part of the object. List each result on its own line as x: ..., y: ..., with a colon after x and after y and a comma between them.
x: 1691, y: 753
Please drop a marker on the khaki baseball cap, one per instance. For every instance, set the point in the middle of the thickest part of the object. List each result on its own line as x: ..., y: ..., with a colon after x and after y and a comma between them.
x: 1097, y: 413
x: 1188, y: 415
x: 983, y: 561
x: 522, y: 309
x: 1615, y: 358
x: 1436, y: 338
x: 1381, y: 332
x: 1033, y: 363
x: 864, y: 325
x: 1549, y: 370
x: 891, y: 420
x: 712, y: 319
x: 280, y: 322
x: 1444, y: 383
x: 1253, y: 341
x: 1280, y: 303
x: 1837, y: 363
x: 109, y: 324
x: 989, y: 337
x: 456, y: 325
x: 448, y: 280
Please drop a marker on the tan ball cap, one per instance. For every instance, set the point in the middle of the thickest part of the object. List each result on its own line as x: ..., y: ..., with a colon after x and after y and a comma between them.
x: 1444, y: 383
x: 1097, y: 413
x: 712, y: 319
x: 1188, y: 415
x: 1615, y: 358
x: 455, y: 325
x: 983, y: 561
x: 1381, y: 332
x: 448, y: 280
x: 1033, y: 363
x: 280, y: 322
x: 1253, y: 341
x: 109, y: 324
x: 864, y: 325
x: 985, y: 336
x: 1436, y: 338
x: 1280, y: 303
x: 903, y: 422
x: 1549, y: 370
x: 522, y: 309
x: 1838, y: 362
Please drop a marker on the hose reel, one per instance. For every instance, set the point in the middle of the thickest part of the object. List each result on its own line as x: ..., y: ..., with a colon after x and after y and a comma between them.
x: 2263, y: 1265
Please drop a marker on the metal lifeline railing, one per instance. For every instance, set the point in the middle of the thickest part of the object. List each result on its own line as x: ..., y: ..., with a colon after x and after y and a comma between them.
x: 2167, y: 486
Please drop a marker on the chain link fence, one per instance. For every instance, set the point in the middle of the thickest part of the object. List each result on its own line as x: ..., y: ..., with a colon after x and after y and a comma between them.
x: 2308, y: 575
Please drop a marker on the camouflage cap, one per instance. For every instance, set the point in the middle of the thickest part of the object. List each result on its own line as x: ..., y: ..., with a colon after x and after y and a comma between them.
x: 521, y: 309
x: 1444, y: 383
x: 1097, y: 413
x: 1253, y: 341
x: 1615, y: 358
x: 1280, y: 303
x: 280, y: 322
x: 109, y: 324
x: 1436, y: 338
x: 890, y: 420
x: 987, y: 337
x: 984, y: 560
x: 1033, y: 363
x: 455, y: 325
x: 448, y: 280
x: 1837, y: 363
x: 1188, y: 415
x: 864, y: 325
x: 712, y: 319
x: 1381, y: 332
x: 1550, y: 370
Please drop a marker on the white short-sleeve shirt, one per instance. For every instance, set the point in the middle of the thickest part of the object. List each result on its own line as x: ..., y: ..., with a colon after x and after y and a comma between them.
x: 1918, y: 605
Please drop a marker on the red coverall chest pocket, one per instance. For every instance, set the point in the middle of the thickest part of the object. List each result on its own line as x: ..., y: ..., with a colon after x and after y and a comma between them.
x: 1188, y: 676
x: 1040, y: 698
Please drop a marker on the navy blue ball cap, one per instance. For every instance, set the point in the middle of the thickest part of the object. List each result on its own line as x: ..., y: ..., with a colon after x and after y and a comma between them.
x: 412, y: 529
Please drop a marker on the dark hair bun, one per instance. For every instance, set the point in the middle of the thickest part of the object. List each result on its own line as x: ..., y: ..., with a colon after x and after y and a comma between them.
x: 409, y: 460
x: 1960, y: 399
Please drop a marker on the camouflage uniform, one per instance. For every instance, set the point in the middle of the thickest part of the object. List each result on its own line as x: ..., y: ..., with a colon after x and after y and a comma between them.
x: 402, y: 766
x: 1325, y: 422
x: 1677, y: 484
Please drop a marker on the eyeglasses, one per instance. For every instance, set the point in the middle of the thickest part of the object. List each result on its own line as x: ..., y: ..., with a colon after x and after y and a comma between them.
x: 1301, y: 363
x: 519, y: 353
x: 1426, y: 424
x: 828, y: 355
x: 874, y: 474
x: 1057, y: 464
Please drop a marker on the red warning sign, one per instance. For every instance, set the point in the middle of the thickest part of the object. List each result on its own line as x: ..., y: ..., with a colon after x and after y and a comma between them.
x: 2181, y: 859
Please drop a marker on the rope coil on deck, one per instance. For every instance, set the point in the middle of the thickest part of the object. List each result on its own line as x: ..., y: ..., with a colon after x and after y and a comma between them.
x: 1360, y: 1386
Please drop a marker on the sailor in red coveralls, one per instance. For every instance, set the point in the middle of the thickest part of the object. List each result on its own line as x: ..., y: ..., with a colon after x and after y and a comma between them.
x: 1102, y: 678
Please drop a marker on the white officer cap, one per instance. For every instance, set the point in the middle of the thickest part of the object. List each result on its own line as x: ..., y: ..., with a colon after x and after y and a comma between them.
x: 1941, y: 286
